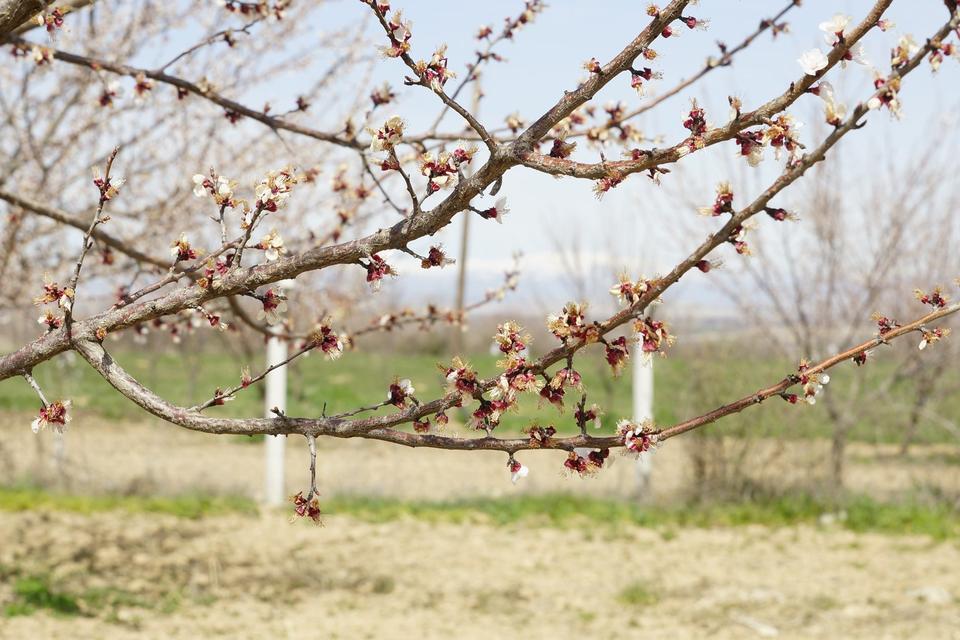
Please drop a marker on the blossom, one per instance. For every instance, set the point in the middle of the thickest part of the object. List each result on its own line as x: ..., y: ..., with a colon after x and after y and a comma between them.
x: 737, y: 238
x: 708, y: 265
x: 514, y: 122
x: 553, y: 395
x: 779, y: 214
x: 540, y: 436
x: 399, y: 33
x: 326, y: 339
x: 696, y: 120
x: 695, y: 23
x: 435, y: 72
x: 377, y: 268
x: 110, y: 91
x: 571, y: 324
x: 272, y: 246
x: 887, y: 95
x: 637, y: 438
x: 518, y: 378
x: 201, y: 184
x: 435, y: 258
x: 42, y: 55
x: 940, y: 51
x: 782, y: 134
x: 143, y: 85
x: 517, y: 470
x: 813, y: 61
x: 834, y: 112
x: 723, y: 203
x: 274, y: 189
x: 181, y: 249
x: 812, y: 382
x: 654, y: 335
x: 637, y: 78
x: 387, y: 136
x: 487, y: 415
x: 463, y: 152
x: 588, y: 465
x: 932, y: 335
x: 609, y: 181
x: 220, y: 397
x: 834, y: 29
x: 461, y: 379
x: 627, y: 291
x: 273, y: 304
x: 305, y: 508
x: 935, y: 298
x: 213, y: 272
x: 510, y: 338
x: 109, y: 187
x: 50, y: 320
x: 561, y: 149
x: 736, y: 104
x: 382, y: 95
x: 497, y: 211
x: 219, y: 187
x: 442, y: 171
x: 51, y: 20
x: 55, y: 413
x: 216, y: 321
x: 399, y: 391
x: 906, y: 48
x: 856, y: 54
x: 751, y: 145
x: 52, y: 292
x: 567, y: 376
x: 616, y: 354
x: 884, y: 324
x: 593, y: 413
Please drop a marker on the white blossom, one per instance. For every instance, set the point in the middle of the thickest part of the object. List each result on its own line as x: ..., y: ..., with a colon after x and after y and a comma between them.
x: 812, y: 61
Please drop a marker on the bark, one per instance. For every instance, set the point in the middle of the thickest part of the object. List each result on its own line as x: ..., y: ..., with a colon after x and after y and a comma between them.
x: 14, y: 13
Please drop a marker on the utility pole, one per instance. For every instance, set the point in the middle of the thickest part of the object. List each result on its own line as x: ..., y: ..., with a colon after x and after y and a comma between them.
x: 465, y: 241
x: 643, y: 410
x: 461, y: 283
x: 275, y: 396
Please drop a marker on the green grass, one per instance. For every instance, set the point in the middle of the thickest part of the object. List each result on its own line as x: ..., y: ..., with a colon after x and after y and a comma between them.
x: 862, y: 513
x: 687, y: 383
x: 36, y: 592
x: 908, y: 516
x: 637, y: 594
x: 190, y: 506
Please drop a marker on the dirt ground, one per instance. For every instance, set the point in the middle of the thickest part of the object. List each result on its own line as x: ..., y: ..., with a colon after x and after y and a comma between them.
x: 262, y: 577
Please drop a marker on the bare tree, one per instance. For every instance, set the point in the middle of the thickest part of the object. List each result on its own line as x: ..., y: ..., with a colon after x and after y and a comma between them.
x: 814, y: 288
